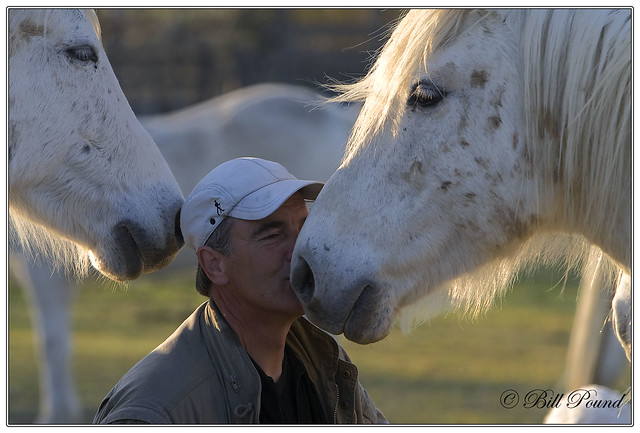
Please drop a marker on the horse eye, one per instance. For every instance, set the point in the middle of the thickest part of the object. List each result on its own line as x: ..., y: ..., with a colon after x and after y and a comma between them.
x: 83, y: 53
x: 425, y: 94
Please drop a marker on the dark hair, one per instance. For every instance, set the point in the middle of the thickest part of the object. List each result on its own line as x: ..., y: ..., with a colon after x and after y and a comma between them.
x: 219, y: 241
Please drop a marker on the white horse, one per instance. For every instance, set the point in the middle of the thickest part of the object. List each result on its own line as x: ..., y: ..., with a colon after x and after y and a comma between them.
x: 285, y: 123
x: 488, y: 140
x: 86, y: 181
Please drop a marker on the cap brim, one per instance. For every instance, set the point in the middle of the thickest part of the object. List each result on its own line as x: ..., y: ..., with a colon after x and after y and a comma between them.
x: 265, y: 201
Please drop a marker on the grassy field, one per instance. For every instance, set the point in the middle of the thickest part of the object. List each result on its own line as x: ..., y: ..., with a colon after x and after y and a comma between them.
x: 451, y: 370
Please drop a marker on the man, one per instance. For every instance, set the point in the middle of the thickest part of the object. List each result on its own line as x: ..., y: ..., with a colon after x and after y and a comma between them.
x: 246, y: 355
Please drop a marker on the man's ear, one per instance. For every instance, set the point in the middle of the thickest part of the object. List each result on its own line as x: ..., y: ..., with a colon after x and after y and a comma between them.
x: 213, y: 263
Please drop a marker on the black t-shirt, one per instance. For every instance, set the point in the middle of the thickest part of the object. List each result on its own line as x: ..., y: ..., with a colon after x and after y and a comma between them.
x: 291, y: 400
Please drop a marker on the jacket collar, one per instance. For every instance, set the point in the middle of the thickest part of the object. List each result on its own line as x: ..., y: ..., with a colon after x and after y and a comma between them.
x: 237, y: 374
x: 317, y: 350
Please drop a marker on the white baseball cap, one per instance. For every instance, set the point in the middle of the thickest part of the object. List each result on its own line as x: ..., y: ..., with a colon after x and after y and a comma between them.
x: 244, y: 188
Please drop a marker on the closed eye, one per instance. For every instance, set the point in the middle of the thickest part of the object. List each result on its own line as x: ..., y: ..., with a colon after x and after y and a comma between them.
x: 425, y: 94
x: 83, y: 53
x: 270, y: 236
x: 267, y: 230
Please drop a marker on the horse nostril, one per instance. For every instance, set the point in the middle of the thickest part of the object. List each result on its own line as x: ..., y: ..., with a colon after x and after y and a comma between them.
x: 303, y: 281
x: 178, y: 231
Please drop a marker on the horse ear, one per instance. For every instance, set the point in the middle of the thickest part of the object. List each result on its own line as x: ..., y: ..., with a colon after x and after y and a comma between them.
x: 213, y: 264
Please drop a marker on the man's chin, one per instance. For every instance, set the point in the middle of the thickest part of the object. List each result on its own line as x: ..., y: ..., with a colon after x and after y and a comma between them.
x: 296, y: 305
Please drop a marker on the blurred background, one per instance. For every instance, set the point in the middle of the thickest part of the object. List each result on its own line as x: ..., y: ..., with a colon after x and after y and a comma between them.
x: 168, y: 59
x: 450, y: 370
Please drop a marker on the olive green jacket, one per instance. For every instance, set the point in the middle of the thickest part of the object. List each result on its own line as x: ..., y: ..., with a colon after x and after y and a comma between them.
x: 202, y: 375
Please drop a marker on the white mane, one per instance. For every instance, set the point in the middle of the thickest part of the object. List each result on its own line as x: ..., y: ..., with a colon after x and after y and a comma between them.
x: 37, y: 242
x: 563, y: 44
x: 581, y: 118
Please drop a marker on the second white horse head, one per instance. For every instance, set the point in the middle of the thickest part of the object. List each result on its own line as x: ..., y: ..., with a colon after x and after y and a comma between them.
x: 85, y: 179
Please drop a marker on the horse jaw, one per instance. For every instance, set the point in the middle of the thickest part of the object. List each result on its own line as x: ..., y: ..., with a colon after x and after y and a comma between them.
x: 121, y: 252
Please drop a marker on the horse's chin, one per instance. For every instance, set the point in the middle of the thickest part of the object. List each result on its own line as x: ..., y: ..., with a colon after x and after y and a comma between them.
x: 358, y: 326
x: 126, y: 265
x: 361, y: 330
x: 124, y: 268
x: 369, y: 320
x: 130, y: 252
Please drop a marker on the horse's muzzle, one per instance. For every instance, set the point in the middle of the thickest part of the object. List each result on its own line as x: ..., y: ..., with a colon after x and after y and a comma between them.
x: 132, y: 250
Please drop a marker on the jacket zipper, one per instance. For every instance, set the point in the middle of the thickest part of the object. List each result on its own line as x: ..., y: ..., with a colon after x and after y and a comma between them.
x: 335, y: 412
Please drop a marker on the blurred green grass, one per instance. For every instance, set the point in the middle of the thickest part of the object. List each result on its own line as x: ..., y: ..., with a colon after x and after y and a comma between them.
x: 450, y: 370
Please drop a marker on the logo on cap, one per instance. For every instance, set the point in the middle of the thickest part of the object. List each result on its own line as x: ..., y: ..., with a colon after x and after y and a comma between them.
x: 219, y: 210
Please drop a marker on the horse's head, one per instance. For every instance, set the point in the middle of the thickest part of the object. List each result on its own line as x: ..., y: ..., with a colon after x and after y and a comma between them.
x: 441, y: 180
x: 434, y: 194
x: 80, y: 164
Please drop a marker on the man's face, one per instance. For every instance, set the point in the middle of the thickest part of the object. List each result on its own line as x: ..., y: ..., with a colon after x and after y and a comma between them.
x: 258, y: 267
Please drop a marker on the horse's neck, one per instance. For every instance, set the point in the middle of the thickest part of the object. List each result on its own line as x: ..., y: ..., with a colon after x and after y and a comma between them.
x: 581, y: 121
x: 597, y: 207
